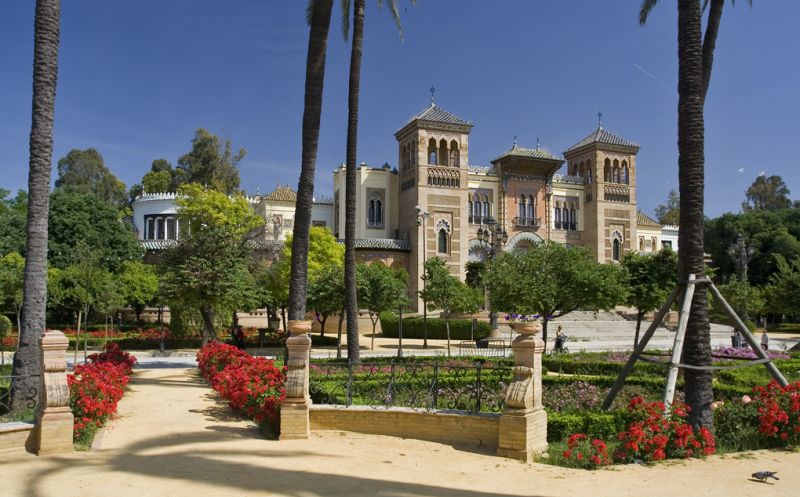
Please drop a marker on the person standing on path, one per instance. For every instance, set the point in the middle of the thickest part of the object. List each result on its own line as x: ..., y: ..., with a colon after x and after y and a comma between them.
x: 765, y: 340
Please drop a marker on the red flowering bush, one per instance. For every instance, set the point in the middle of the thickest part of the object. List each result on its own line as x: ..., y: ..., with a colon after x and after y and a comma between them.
x: 253, y: 385
x: 584, y: 454
x: 113, y: 354
x: 96, y: 387
x: 154, y: 334
x: 779, y: 412
x: 653, y: 435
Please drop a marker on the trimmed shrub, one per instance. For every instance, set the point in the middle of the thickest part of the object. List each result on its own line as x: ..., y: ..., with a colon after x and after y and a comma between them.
x: 594, y: 424
x: 413, y: 327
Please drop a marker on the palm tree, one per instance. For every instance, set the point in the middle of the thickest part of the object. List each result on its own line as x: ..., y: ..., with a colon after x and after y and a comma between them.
x: 319, y: 13
x: 695, y: 59
x: 27, y: 360
x: 351, y: 296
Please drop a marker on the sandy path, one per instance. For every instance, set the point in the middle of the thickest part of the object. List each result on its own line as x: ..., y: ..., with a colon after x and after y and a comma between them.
x: 173, y: 439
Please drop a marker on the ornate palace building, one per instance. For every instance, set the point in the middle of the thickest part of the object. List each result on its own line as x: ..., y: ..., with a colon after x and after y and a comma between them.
x: 435, y: 204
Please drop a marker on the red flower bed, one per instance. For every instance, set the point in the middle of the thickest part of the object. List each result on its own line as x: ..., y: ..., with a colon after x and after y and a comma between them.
x: 654, y: 436
x: 779, y: 412
x: 253, y: 385
x: 584, y: 454
x: 96, y: 387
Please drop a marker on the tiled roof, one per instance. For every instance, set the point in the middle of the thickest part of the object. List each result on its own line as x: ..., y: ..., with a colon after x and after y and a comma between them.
x: 165, y: 244
x: 600, y: 135
x: 437, y: 114
x: 282, y: 194
x: 643, y: 219
x: 529, y: 153
x: 382, y: 244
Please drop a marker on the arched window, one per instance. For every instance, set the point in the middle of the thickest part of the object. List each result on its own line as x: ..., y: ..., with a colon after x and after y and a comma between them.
x: 442, y: 242
x: 625, y: 173
x: 371, y: 215
x: 573, y: 219
x: 557, y: 215
x: 443, y: 152
x: 582, y: 170
x: 615, y: 171
x: 432, y: 152
x: 375, y: 211
x: 414, y: 152
x: 470, y: 207
x: 171, y: 232
x: 641, y: 244
x: 521, y: 206
x: 530, y: 213
x: 487, y: 209
x: 454, y: 156
x: 615, y: 249
x: 160, y: 231
x: 379, y: 212
x: 607, y: 171
x: 589, y: 175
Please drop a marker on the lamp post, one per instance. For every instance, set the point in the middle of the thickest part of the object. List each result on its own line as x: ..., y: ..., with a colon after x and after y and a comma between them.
x: 492, y: 237
x: 422, y: 215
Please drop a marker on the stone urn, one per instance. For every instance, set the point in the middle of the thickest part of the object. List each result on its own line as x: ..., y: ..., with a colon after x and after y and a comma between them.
x: 528, y: 328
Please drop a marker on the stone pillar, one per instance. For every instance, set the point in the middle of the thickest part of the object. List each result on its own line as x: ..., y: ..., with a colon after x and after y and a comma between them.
x: 54, y: 421
x: 523, y: 424
x: 294, y: 408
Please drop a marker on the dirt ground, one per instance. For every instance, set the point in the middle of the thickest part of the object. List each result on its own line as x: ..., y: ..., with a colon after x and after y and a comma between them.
x: 173, y: 438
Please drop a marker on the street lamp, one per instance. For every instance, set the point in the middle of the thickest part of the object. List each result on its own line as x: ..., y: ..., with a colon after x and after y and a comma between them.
x: 493, y: 237
x: 422, y: 215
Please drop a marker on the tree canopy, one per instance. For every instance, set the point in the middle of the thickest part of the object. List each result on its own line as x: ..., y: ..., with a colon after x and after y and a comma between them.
x: 767, y: 194
x: 382, y: 289
x: 781, y: 294
x: 138, y: 284
x: 84, y: 171
x: 210, y: 163
x: 670, y: 212
x: 650, y: 279
x: 13, y: 214
x: 553, y: 280
x: 84, y: 217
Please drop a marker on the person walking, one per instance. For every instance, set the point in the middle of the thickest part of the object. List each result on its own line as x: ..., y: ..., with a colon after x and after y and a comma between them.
x: 765, y: 340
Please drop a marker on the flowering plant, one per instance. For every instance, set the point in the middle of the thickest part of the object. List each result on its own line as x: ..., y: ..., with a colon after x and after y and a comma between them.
x: 523, y: 318
x: 779, y: 412
x: 585, y: 454
x: 253, y: 385
x: 653, y: 435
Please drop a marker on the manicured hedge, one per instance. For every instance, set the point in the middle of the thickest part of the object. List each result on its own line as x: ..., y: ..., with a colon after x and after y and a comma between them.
x: 413, y: 328
x: 564, y: 363
x: 594, y: 424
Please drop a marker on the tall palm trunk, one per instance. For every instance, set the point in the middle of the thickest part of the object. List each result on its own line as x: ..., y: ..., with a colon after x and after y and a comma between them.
x: 691, y: 129
x: 27, y: 360
x: 351, y: 297
x: 315, y: 75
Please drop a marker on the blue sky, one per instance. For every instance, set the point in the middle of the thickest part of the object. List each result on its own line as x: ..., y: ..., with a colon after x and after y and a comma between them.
x: 137, y: 78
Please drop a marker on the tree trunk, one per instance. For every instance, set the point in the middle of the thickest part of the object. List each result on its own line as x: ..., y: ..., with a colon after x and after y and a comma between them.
x: 691, y: 95
x: 639, y: 316
x: 372, y: 340
x: 322, y: 324
x: 315, y: 74
x: 77, y: 340
x: 207, y: 313
x: 350, y: 292
x: 544, y: 334
x: 19, y: 323
x: 339, y: 337
x: 27, y: 360
x: 447, y: 327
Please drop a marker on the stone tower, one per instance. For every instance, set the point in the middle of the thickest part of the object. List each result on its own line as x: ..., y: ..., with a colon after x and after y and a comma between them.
x: 607, y: 163
x: 433, y: 160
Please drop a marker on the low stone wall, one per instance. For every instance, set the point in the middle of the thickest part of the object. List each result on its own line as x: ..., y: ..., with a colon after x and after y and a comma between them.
x: 14, y: 437
x: 476, y: 430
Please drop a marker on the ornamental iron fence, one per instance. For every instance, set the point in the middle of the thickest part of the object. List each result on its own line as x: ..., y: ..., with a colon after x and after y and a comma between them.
x: 29, y: 395
x: 471, y: 388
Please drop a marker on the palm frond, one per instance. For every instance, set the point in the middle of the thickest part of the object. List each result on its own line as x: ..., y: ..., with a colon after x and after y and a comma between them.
x: 644, y: 10
x: 394, y: 10
x: 345, y: 4
x: 309, y: 11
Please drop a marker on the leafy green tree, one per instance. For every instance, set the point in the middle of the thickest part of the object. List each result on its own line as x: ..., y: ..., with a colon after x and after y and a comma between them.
x: 27, y: 360
x: 781, y: 294
x: 84, y: 171
x: 552, y: 280
x: 210, y: 163
x: 382, y: 289
x: 670, y: 212
x: 695, y: 60
x: 78, y: 216
x: 326, y: 293
x: 138, y: 284
x: 746, y: 300
x: 13, y: 212
x: 205, y: 268
x: 767, y: 194
x: 766, y: 232
x: 446, y: 292
x: 5, y: 329
x: 12, y: 277
x: 323, y: 250
x: 650, y: 279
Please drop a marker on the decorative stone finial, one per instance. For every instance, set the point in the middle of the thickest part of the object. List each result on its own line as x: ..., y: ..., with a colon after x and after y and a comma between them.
x: 433, y: 90
x: 538, y: 147
x: 515, y: 141
x: 599, y: 120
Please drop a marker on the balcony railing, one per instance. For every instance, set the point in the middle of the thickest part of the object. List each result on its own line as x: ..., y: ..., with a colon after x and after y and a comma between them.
x: 530, y: 222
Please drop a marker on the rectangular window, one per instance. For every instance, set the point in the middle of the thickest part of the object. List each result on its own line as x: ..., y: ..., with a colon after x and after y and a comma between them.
x: 171, y: 228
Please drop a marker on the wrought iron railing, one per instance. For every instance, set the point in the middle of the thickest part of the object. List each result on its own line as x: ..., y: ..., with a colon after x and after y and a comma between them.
x: 473, y: 388
x: 29, y: 395
x: 532, y: 222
